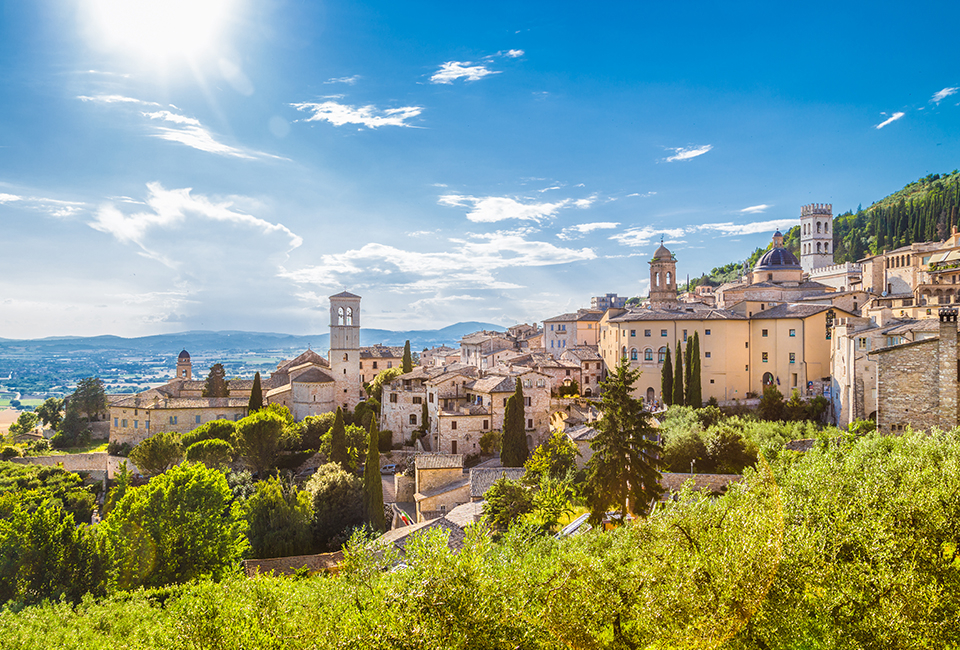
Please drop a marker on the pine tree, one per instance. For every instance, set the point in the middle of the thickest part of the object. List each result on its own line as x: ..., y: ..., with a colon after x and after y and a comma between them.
x: 407, y: 358
x: 338, y: 442
x: 372, y: 481
x: 216, y: 382
x: 666, y: 380
x: 695, y: 389
x: 256, y: 395
x: 678, y: 378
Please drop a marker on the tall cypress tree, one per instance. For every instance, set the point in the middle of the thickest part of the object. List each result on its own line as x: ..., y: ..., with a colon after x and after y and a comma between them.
x: 687, y: 368
x: 666, y: 379
x: 256, y: 395
x: 678, y: 378
x: 407, y: 358
x: 695, y: 389
x: 372, y: 482
x: 338, y: 442
x: 513, y: 444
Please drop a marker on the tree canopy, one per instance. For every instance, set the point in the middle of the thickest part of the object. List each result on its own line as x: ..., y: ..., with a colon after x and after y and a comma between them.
x: 514, y: 450
x: 259, y: 438
x: 216, y: 384
x: 407, y: 364
x: 158, y: 453
x: 256, y: 395
x: 90, y: 397
x: 373, y: 482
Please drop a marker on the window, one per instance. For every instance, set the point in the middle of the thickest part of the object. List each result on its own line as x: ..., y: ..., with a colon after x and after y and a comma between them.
x: 393, y: 398
x: 116, y: 422
x: 526, y: 401
x: 764, y: 357
x: 389, y: 364
x: 633, y: 354
x: 453, y: 425
x: 793, y: 332
x: 568, y: 372
x: 793, y: 357
x: 529, y: 423
x: 763, y: 332
x: 661, y: 355
x: 648, y: 355
x: 374, y: 364
x: 413, y: 418
x: 527, y: 383
x: 504, y: 401
x: 124, y: 421
x: 746, y: 344
x: 706, y: 355
x: 746, y: 368
x: 146, y: 425
x: 418, y: 400
x: 684, y: 336
x: 197, y: 419
x: 486, y: 424
x: 711, y: 381
x: 430, y: 398
x: 646, y: 332
x: 136, y: 424
x: 541, y: 383
x: 706, y: 332
x: 173, y: 420
x: 633, y: 332
x: 663, y: 332
x: 862, y: 343
x: 361, y: 365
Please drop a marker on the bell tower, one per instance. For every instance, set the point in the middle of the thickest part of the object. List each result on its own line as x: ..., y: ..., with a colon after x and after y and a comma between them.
x: 345, y: 349
x: 184, y: 366
x: 816, y: 236
x: 663, y: 278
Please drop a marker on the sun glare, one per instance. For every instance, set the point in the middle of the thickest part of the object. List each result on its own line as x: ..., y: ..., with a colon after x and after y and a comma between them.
x: 160, y: 29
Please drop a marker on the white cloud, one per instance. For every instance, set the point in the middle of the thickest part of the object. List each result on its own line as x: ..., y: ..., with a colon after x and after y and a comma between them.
x: 728, y: 229
x: 171, y: 209
x: 7, y: 198
x: 513, y: 54
x: 201, y: 139
x: 491, y: 209
x: 643, y: 235
x: 453, y: 70
x: 167, y: 116
x: 755, y: 209
x: 368, y: 116
x: 940, y: 95
x: 686, y: 153
x: 343, y: 80
x: 470, y: 264
x: 893, y: 118
x: 54, y: 207
x: 642, y: 196
x: 578, y: 231
x: 114, y: 99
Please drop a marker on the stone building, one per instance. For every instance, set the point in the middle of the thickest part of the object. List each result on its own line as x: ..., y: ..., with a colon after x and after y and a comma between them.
x: 569, y: 330
x: 917, y: 382
x: 440, y: 485
x: 607, y: 301
x: 375, y: 358
x: 816, y: 236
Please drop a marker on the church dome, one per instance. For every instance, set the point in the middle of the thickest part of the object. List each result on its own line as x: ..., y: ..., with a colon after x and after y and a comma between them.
x: 777, y: 258
x: 662, y: 253
x: 184, y: 356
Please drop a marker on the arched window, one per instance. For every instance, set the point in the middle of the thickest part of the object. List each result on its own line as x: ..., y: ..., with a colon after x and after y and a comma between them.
x: 669, y: 279
x: 818, y: 226
x: 349, y: 315
x: 662, y: 354
x: 656, y: 279
x: 340, y: 316
x: 651, y: 395
x: 624, y: 352
x: 648, y: 355
x: 818, y: 247
x: 826, y: 226
x: 633, y: 354
x: 826, y: 247
x: 767, y: 379
x: 346, y: 356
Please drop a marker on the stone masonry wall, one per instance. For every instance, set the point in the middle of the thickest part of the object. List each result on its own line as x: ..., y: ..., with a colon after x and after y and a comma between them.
x: 908, y: 386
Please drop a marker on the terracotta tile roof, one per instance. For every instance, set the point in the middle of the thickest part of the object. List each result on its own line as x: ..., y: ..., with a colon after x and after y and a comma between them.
x: 493, y: 384
x: 381, y: 352
x: 439, y: 461
x: 442, y: 489
x: 584, y: 353
x: 792, y: 310
x: 481, y: 478
x: 710, y: 483
x: 581, y: 433
x: 307, y: 357
x: 579, y: 315
x: 289, y: 565
x: 637, y: 315
x: 312, y: 376
x: 466, y: 514
x: 398, y: 537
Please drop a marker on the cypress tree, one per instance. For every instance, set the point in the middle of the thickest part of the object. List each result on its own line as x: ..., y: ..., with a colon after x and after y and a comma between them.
x: 666, y: 379
x: 678, y: 378
x: 216, y: 384
x: 338, y: 442
x: 407, y: 358
x: 372, y: 482
x: 513, y: 442
x: 256, y: 396
x: 687, y: 368
x: 695, y: 389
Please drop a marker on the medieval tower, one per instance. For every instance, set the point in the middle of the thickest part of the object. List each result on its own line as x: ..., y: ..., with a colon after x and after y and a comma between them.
x: 663, y: 278
x: 345, y: 348
x: 816, y: 236
x: 184, y: 366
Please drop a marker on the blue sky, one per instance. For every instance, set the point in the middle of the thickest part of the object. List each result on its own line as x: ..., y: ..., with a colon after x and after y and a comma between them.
x: 228, y: 164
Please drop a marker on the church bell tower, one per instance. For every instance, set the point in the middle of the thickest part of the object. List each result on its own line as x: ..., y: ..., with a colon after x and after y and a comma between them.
x: 345, y: 349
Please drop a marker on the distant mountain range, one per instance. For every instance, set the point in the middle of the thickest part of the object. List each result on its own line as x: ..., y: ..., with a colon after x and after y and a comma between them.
x: 206, y: 342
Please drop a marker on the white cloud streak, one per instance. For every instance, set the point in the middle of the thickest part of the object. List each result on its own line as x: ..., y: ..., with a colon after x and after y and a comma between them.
x: 643, y: 235
x: 491, y: 209
x: 453, y: 70
x: 893, y: 118
x: 940, y: 95
x: 578, y: 231
x: 368, y: 116
x: 687, y: 153
x: 755, y: 209
x: 343, y: 80
x: 114, y: 99
x: 513, y: 54
x: 729, y: 229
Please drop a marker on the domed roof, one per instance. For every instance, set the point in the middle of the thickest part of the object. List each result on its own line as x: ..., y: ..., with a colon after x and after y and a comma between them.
x: 662, y: 253
x: 184, y: 356
x: 777, y: 258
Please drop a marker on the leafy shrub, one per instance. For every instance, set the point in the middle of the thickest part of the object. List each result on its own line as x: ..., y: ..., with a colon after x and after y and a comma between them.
x: 386, y: 440
x: 337, y: 502
x: 123, y: 449
x: 279, y: 520
x: 212, y: 452
x: 213, y: 430
x: 9, y: 452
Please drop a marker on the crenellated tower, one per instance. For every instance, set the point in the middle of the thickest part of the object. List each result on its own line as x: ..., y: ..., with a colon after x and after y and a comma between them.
x: 345, y: 348
x: 816, y: 236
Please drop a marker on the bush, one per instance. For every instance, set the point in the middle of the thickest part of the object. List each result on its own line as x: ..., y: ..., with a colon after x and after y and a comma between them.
x: 158, y: 453
x: 213, y: 430
x: 279, y: 519
x: 9, y: 452
x: 337, y: 502
x: 386, y: 440
x: 314, y: 428
x: 212, y: 452
x: 37, y: 447
x: 490, y: 441
x: 123, y: 449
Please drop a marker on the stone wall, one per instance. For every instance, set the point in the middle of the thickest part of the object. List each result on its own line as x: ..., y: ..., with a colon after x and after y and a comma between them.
x: 908, y: 381
x: 94, y: 463
x: 404, y: 488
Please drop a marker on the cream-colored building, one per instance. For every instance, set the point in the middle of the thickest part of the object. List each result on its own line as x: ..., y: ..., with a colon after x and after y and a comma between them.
x: 569, y: 330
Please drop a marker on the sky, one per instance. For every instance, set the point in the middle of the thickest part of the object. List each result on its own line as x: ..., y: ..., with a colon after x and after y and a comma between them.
x: 228, y: 164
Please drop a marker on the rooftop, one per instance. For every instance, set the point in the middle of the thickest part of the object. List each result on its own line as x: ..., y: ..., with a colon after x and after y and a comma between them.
x: 439, y: 461
x: 481, y: 478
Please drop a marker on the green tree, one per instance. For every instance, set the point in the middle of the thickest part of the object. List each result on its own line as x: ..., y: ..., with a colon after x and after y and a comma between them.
x: 666, y: 379
x: 90, y: 397
x: 158, y: 453
x: 212, y: 453
x: 256, y: 395
x: 337, y: 502
x: 373, y: 482
x: 491, y: 441
x: 122, y: 484
x: 178, y: 527
x: 554, y: 459
x: 514, y: 450
x: 678, y: 379
x: 216, y: 384
x: 74, y: 429
x: 407, y: 364
x: 771, y: 405
x: 259, y: 439
x: 424, y: 420
x: 214, y: 429
x: 279, y: 520
x: 505, y: 502
x: 687, y: 369
x: 51, y: 412
x: 695, y: 387
x: 375, y: 388
x: 26, y: 422
x: 314, y: 427
x: 682, y: 448
x: 624, y: 461
x: 338, y: 442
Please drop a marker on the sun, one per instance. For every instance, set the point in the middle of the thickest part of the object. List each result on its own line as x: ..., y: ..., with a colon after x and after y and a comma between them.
x: 160, y: 29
